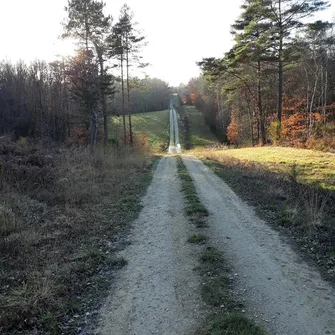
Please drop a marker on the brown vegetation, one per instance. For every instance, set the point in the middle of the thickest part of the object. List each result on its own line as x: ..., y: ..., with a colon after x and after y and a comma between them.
x: 59, y: 215
x: 304, y: 211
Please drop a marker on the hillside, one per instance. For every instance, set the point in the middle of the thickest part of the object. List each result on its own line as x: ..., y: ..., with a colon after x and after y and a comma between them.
x: 302, y: 165
x: 150, y: 128
x: 195, y: 132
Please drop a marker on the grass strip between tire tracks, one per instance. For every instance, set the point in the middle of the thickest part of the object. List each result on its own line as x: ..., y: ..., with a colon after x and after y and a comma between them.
x: 226, y: 315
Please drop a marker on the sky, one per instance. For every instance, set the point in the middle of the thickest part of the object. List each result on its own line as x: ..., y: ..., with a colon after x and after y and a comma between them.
x: 178, y: 32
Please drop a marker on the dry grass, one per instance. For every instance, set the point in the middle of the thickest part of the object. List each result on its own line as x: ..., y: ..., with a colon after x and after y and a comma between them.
x: 306, y: 211
x: 59, y: 216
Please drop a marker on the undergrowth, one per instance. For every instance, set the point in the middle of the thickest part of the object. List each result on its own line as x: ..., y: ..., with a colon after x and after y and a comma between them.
x: 60, y: 212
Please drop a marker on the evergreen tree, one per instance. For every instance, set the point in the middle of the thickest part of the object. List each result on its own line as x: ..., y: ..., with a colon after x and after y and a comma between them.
x: 253, y: 48
x: 88, y: 24
x: 127, y: 44
x: 286, y: 16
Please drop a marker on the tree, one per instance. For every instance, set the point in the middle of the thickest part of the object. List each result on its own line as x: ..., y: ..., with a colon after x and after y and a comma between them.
x: 87, y: 22
x: 253, y: 48
x: 127, y: 44
x: 116, y: 47
x: 286, y: 16
x: 83, y: 73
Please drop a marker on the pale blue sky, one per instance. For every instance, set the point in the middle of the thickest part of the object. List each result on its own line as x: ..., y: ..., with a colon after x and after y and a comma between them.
x: 178, y: 32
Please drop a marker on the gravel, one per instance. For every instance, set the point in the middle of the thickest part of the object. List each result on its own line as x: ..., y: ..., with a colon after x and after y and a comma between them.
x: 158, y: 291
x: 278, y: 288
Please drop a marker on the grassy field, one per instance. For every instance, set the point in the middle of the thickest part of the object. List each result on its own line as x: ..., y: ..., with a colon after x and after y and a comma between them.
x: 304, y: 166
x: 290, y: 188
x: 152, y: 128
x: 199, y: 133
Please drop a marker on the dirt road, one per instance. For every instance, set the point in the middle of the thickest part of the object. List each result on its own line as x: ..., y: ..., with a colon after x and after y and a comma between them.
x: 158, y: 291
x: 287, y: 295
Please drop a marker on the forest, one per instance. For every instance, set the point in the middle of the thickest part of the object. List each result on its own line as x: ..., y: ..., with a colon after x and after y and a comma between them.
x: 276, y: 84
x: 73, y: 98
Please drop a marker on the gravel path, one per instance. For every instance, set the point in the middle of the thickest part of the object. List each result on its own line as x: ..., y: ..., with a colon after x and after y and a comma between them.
x: 158, y: 291
x: 286, y: 295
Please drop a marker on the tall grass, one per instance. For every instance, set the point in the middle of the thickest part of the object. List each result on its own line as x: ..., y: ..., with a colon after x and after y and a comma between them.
x: 58, y: 228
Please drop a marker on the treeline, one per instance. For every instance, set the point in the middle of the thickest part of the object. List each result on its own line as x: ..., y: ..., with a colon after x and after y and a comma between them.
x: 276, y: 84
x: 146, y: 95
x: 73, y: 98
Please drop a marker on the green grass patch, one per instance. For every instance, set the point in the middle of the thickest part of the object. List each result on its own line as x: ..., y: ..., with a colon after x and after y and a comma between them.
x: 215, y: 291
x: 194, y: 130
x: 304, y: 209
x: 197, y: 239
x: 211, y: 256
x: 227, y: 317
x: 301, y: 165
x: 194, y: 208
x: 201, y: 136
x: 149, y: 128
x: 232, y: 324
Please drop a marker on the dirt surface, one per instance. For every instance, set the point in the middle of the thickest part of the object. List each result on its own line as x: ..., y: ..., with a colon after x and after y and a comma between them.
x: 158, y: 291
x: 278, y: 288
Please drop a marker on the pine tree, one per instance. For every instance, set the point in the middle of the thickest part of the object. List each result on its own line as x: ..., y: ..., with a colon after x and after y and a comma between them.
x: 286, y: 16
x: 253, y: 48
x: 88, y: 24
x: 127, y: 44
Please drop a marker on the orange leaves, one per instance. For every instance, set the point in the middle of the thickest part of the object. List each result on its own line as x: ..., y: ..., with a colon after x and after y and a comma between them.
x: 232, y: 130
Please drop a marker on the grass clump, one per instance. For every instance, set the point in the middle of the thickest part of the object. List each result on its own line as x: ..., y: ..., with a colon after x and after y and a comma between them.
x: 211, y: 256
x: 215, y: 291
x: 232, y: 324
x: 197, y: 239
x: 226, y: 317
x: 194, y: 209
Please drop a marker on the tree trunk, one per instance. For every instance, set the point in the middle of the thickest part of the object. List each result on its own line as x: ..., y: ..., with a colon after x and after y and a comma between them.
x: 280, y: 82
x: 123, y: 109
x: 94, y: 130
x: 103, y: 99
x: 128, y: 95
x: 260, y: 105
x: 280, y: 70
